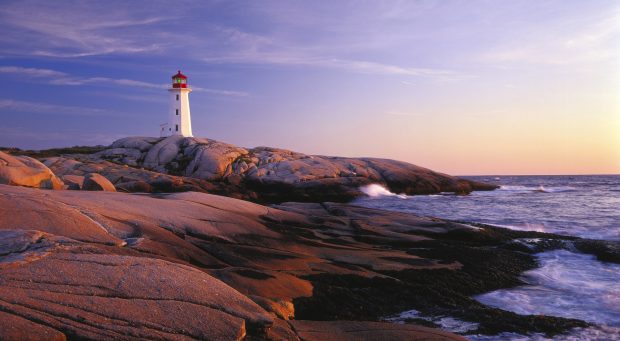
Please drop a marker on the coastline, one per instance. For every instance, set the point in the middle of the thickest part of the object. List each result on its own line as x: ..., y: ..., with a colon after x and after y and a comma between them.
x: 330, y: 262
x: 294, y: 267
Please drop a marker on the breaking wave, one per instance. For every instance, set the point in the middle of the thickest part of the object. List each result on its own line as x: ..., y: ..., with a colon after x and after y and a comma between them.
x: 376, y: 190
x: 567, y: 284
x: 540, y: 188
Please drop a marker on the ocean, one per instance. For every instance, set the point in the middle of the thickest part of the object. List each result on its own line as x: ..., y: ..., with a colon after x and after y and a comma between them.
x: 567, y: 284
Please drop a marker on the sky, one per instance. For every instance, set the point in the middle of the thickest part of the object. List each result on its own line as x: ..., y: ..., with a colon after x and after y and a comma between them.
x: 461, y: 87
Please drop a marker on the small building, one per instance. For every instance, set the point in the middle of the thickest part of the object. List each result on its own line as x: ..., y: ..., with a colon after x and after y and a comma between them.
x: 179, y: 118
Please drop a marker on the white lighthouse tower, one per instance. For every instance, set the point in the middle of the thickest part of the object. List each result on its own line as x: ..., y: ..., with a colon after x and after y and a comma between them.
x: 179, y: 119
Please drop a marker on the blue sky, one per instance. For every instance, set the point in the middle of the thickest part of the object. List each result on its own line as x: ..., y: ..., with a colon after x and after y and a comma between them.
x: 465, y: 87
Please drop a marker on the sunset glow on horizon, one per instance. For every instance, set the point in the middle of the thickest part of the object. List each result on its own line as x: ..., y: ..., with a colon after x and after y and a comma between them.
x: 465, y: 88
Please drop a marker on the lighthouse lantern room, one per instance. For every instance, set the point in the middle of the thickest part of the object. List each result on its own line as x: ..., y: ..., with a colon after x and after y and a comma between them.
x: 179, y: 119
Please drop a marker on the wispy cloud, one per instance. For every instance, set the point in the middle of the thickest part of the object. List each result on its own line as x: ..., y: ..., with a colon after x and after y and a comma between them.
x: 220, y: 92
x: 590, y: 39
x: 47, y: 108
x: 404, y: 114
x: 75, y: 29
x: 32, y: 72
x: 294, y: 59
x: 57, y: 138
x: 61, y: 78
x: 236, y: 46
x: 359, y: 66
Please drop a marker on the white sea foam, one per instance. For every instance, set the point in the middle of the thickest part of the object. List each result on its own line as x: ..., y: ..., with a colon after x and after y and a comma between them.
x: 540, y: 188
x: 570, y: 285
x: 375, y: 190
x: 578, y: 334
x: 445, y: 322
x: 567, y: 284
x: 537, y: 227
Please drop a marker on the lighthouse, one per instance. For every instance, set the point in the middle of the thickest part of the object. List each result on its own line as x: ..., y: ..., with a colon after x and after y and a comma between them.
x: 179, y: 119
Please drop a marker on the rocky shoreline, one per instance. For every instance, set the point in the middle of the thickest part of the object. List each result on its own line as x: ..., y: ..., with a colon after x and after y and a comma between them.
x: 175, y: 263
x: 261, y: 174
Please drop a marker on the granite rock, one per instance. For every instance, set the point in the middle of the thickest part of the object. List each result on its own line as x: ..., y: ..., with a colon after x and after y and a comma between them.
x: 276, y: 175
x: 28, y: 172
x: 110, y: 265
x: 97, y: 182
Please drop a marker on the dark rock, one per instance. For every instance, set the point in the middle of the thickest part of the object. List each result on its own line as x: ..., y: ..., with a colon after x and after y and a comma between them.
x: 357, y: 330
x: 606, y: 251
x: 73, y: 182
x: 97, y: 182
x: 134, y: 186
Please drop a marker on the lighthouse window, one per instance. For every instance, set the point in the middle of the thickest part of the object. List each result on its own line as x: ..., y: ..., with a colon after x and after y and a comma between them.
x: 177, y: 97
x: 176, y: 127
x: 177, y: 112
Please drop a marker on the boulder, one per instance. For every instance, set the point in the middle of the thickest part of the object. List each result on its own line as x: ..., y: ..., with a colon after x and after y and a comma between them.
x: 97, y: 182
x: 73, y: 182
x: 212, y: 160
x: 164, y: 152
x: 28, y: 172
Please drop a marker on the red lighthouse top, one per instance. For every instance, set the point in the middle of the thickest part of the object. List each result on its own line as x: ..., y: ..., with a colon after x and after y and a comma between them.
x: 179, y: 80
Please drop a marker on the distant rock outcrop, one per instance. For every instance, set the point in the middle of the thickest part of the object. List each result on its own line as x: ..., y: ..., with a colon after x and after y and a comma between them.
x: 26, y: 171
x: 277, y: 174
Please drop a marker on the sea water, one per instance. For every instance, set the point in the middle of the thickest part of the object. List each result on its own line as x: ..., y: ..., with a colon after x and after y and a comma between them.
x: 566, y: 284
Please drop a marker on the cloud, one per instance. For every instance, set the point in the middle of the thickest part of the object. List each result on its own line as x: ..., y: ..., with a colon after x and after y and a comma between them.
x: 47, y: 108
x: 404, y: 114
x: 220, y: 92
x: 33, y: 72
x: 357, y: 66
x: 61, y: 78
x: 27, y: 138
x: 330, y: 45
x: 76, y: 29
x: 590, y: 39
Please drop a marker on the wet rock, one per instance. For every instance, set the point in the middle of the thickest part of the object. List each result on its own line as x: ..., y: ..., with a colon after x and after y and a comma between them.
x: 356, y: 330
x: 606, y: 251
